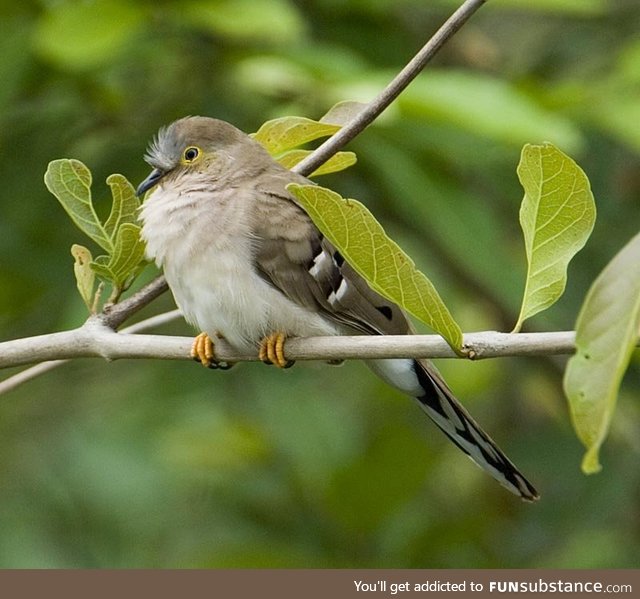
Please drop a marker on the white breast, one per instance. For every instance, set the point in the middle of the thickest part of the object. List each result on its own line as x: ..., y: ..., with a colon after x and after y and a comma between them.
x: 205, y: 248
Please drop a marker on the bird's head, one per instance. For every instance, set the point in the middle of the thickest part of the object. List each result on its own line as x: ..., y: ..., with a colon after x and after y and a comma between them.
x: 193, y: 144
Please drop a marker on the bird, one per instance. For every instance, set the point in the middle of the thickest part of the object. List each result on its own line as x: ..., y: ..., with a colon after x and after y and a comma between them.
x: 246, y: 263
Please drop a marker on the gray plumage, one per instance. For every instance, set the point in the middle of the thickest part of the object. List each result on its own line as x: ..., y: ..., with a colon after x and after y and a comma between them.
x: 244, y: 260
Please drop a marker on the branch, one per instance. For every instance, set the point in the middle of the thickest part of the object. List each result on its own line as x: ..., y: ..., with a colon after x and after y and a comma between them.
x: 377, y: 106
x: 114, y: 315
x: 94, y: 339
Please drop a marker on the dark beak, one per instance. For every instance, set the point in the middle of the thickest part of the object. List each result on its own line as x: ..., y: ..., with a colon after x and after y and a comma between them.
x: 153, y: 179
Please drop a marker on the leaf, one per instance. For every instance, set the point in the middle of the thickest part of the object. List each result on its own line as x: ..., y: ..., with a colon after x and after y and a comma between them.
x: 557, y: 216
x: 290, y: 132
x: 364, y: 244
x: 607, y: 332
x: 127, y: 254
x: 85, y: 276
x: 125, y: 205
x: 343, y: 112
x: 70, y: 182
x: 101, y: 267
x: 337, y: 162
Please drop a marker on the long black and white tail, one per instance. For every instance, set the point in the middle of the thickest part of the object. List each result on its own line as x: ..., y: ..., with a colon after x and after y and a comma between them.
x: 453, y: 419
x: 420, y: 379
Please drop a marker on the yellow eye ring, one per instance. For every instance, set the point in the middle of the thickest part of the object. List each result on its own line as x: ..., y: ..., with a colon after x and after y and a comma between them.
x: 191, y: 154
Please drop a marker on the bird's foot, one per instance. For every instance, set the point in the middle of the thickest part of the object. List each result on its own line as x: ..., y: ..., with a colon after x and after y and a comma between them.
x: 272, y: 350
x: 203, y: 351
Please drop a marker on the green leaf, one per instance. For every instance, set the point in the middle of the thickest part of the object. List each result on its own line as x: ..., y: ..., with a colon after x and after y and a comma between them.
x: 557, y: 216
x: 70, y: 182
x: 289, y: 132
x: 85, y: 276
x: 337, y: 162
x: 607, y: 332
x: 101, y: 267
x: 125, y: 205
x: 362, y: 241
x: 127, y: 255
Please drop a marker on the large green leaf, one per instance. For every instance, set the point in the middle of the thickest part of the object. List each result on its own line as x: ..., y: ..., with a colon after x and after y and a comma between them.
x: 365, y: 245
x: 70, y: 182
x: 607, y: 332
x: 557, y: 216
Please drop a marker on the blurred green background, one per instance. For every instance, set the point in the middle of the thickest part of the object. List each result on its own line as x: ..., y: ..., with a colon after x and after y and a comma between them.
x: 159, y: 464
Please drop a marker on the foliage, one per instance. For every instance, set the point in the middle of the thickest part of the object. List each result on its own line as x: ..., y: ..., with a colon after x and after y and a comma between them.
x: 557, y: 216
x: 606, y: 335
x: 282, y: 138
x: 162, y: 464
x: 70, y: 182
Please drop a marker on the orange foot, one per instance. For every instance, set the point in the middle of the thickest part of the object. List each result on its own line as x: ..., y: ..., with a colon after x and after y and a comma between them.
x: 272, y: 350
x: 202, y: 351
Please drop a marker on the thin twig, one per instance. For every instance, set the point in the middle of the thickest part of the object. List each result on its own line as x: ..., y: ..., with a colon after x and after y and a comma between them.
x: 391, y: 92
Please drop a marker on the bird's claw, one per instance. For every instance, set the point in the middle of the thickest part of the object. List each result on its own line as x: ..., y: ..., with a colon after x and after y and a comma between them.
x: 203, y: 351
x: 272, y: 351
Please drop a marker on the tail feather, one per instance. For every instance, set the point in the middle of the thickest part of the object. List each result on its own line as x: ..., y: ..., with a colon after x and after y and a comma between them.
x: 453, y: 419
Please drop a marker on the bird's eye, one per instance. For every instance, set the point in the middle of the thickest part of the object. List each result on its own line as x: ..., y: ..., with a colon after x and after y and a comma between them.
x: 191, y: 153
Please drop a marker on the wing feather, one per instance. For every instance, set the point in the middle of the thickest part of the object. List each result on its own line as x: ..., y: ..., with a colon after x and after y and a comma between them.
x: 294, y: 256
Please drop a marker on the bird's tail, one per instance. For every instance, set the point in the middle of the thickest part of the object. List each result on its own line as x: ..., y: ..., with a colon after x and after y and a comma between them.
x: 421, y: 379
x: 454, y: 421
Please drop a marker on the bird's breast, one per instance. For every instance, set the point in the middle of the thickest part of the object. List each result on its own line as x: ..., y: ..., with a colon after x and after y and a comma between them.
x: 206, y: 248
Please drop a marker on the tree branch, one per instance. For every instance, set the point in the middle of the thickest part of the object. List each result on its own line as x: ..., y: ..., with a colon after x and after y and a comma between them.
x: 94, y: 339
x: 114, y: 315
x: 377, y: 106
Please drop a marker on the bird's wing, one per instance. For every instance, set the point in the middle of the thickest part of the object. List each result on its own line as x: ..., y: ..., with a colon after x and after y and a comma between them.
x: 297, y: 259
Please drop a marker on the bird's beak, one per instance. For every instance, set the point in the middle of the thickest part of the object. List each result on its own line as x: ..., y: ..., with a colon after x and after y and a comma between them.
x: 153, y: 179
